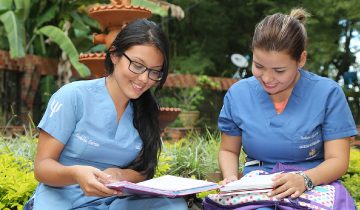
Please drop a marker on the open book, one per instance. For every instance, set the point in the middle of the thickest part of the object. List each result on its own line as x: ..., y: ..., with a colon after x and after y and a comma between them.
x: 261, y: 183
x: 168, y: 185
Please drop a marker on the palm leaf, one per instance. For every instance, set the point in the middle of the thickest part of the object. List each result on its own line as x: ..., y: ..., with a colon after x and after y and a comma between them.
x: 78, y: 23
x: 66, y: 45
x: 98, y: 49
x: 22, y: 9
x: 13, y: 30
x: 89, y: 21
x: 47, y: 88
x: 157, y: 10
x: 5, y: 4
x: 47, y: 16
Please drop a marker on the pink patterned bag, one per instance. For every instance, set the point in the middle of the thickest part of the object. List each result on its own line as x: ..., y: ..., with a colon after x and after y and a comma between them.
x: 333, y: 196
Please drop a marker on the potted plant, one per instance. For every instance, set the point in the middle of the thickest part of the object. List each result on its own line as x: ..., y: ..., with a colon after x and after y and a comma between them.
x: 189, y: 99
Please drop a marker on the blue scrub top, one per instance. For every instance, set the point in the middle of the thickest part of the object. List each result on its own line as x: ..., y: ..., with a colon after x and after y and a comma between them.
x: 83, y: 117
x: 316, y: 111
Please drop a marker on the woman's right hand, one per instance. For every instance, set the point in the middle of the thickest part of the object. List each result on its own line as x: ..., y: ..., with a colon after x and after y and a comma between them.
x: 88, y: 179
x: 228, y: 180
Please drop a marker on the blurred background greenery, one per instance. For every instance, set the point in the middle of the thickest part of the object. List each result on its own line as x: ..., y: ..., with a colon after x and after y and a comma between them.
x: 201, y: 43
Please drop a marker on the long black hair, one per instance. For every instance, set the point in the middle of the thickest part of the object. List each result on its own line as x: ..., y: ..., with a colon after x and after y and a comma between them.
x: 146, y: 112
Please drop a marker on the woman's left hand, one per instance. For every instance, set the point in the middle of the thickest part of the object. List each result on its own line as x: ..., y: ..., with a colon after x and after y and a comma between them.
x: 287, y: 184
x: 116, y: 175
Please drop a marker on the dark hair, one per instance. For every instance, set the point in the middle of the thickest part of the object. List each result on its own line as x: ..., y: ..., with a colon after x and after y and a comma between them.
x: 282, y: 33
x: 146, y: 112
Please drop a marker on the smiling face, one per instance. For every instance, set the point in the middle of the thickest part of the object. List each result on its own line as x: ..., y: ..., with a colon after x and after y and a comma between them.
x: 132, y: 85
x: 277, y: 72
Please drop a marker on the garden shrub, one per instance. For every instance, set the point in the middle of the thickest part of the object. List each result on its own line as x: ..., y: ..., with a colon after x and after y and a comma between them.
x: 17, y: 182
x: 351, y: 180
x: 163, y: 165
x: 195, y: 155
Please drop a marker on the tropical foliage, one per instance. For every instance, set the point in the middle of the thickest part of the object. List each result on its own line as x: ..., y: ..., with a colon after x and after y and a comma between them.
x: 351, y: 180
x: 190, y: 97
x: 26, y: 24
x: 202, y: 43
x: 193, y: 157
x: 17, y: 182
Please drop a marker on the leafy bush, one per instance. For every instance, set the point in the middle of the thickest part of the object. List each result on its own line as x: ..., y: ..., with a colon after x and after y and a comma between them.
x: 17, y: 182
x: 351, y: 180
x: 21, y: 146
x: 163, y: 165
x: 195, y: 155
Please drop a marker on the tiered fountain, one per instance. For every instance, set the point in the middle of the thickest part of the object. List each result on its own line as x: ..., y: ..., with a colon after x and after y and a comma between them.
x: 115, y: 17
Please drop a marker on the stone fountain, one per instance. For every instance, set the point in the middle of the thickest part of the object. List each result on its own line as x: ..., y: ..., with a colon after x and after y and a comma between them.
x: 114, y: 18
x: 124, y: 13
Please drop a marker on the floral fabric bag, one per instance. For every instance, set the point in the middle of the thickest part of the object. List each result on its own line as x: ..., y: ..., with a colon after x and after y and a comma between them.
x: 333, y: 196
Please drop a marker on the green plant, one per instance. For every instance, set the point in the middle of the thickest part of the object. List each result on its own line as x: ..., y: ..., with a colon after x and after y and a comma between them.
x: 351, y: 180
x: 163, y: 165
x: 195, y: 155
x: 203, y: 194
x: 17, y: 182
x: 47, y: 88
x: 190, y: 97
x: 21, y: 146
x: 166, y: 101
x: 24, y: 24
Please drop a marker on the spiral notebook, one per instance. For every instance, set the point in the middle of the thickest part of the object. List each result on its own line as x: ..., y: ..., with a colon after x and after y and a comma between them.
x: 170, y: 186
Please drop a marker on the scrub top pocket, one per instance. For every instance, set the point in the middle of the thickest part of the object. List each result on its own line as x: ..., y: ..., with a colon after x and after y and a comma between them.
x: 77, y: 146
x: 307, y: 146
x: 110, y: 152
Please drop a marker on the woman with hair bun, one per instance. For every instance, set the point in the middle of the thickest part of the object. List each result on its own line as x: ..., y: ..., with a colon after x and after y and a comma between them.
x: 285, y: 114
x: 106, y: 130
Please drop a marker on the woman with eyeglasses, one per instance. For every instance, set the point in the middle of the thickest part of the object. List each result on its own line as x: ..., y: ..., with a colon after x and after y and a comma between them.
x: 106, y: 130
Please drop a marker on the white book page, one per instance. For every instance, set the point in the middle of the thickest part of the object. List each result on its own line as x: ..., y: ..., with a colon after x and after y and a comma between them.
x: 174, y: 183
x: 250, y: 183
x: 246, y: 192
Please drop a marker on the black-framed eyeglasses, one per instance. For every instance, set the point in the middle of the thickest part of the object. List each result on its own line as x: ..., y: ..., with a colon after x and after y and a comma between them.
x: 138, y: 68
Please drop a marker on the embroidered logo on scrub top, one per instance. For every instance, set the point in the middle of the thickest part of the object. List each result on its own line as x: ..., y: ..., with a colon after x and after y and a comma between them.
x: 309, y: 145
x: 91, y: 142
x: 54, y: 108
x: 309, y: 137
x: 313, y: 151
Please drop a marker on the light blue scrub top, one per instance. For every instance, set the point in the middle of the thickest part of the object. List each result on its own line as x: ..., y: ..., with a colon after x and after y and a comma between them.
x: 82, y: 116
x: 316, y: 111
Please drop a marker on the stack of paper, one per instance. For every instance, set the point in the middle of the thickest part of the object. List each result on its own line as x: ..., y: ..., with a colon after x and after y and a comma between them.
x: 165, y: 186
x: 260, y: 183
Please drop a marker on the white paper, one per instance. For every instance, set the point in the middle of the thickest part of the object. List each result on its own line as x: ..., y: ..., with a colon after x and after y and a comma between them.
x: 169, y: 182
x: 250, y: 183
x: 245, y: 192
